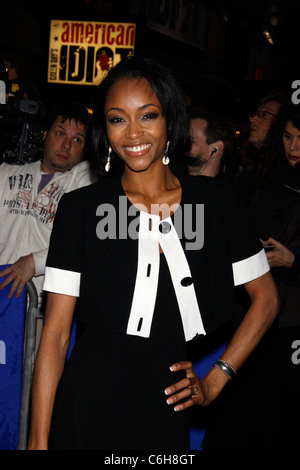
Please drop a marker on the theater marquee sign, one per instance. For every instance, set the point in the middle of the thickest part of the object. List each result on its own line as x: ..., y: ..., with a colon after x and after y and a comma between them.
x: 81, y: 52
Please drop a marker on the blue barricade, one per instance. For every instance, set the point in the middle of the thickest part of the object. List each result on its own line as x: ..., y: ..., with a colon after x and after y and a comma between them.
x: 12, y: 320
x: 202, y: 367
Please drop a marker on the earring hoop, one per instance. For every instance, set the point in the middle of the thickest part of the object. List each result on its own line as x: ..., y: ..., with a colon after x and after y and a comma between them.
x: 107, y: 166
x: 165, y: 158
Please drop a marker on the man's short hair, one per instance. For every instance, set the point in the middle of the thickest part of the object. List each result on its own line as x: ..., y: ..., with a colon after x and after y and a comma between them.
x: 218, y: 128
x: 68, y: 110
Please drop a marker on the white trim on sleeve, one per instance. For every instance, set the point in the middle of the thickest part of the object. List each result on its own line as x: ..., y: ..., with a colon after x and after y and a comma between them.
x: 251, y: 268
x: 61, y: 281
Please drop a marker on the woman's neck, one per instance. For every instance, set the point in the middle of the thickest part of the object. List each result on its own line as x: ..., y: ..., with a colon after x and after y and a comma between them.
x: 152, y: 188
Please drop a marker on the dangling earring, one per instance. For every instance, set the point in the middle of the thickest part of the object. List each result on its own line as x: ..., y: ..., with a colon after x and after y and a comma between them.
x: 165, y: 158
x: 107, y: 166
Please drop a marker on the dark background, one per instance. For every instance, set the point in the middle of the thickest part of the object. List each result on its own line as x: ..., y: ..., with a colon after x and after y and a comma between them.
x: 236, y: 66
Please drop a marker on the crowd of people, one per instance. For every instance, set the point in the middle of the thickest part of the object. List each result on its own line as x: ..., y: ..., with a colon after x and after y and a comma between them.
x: 154, y: 226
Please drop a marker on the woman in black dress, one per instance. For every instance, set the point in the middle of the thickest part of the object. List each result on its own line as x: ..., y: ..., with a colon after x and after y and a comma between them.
x: 152, y: 255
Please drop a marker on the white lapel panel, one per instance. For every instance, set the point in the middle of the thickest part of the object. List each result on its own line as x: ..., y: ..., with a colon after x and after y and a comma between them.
x: 152, y: 233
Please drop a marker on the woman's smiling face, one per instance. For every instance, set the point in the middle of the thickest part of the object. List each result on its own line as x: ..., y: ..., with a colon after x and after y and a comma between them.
x: 136, y: 125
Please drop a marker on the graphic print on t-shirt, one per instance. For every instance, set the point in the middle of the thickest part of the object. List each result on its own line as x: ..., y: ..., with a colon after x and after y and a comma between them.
x: 21, y: 201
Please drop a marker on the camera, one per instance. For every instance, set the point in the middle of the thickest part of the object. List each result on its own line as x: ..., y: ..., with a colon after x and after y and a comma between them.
x: 21, y: 130
x: 21, y: 123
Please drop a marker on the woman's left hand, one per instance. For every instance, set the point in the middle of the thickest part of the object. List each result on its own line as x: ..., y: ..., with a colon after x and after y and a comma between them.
x: 191, y: 389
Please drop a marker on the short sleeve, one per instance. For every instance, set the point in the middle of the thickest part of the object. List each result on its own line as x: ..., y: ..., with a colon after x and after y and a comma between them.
x: 249, y: 260
x: 63, y: 266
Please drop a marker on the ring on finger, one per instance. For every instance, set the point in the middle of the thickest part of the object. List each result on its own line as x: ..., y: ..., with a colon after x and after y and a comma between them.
x: 195, y: 390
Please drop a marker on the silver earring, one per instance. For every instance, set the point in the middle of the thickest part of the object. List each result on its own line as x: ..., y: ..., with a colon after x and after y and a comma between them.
x: 107, y: 166
x: 165, y: 158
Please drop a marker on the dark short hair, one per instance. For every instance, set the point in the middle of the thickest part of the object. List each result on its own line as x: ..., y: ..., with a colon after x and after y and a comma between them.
x: 68, y: 110
x: 276, y: 96
x: 218, y: 127
x: 170, y: 96
x: 289, y: 112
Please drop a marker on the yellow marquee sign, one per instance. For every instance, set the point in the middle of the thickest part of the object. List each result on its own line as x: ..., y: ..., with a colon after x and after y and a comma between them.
x: 81, y: 52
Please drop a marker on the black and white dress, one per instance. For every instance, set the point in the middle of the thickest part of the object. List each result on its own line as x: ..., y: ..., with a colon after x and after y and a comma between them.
x: 139, y: 308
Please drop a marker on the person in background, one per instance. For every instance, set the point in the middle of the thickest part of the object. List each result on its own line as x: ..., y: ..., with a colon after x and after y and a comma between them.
x: 261, y: 124
x: 247, y: 155
x: 144, y: 294
x: 276, y: 212
x: 263, y: 118
x: 213, y: 145
x: 263, y: 411
x: 30, y: 194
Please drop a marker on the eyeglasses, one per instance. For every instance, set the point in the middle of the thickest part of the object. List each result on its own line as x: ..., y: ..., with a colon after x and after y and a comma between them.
x: 262, y: 114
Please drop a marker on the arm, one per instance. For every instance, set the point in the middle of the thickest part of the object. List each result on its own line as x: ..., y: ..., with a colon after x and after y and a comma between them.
x: 49, y: 365
x: 262, y: 312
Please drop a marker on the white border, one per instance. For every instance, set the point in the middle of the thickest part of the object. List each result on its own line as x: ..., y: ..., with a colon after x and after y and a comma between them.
x: 61, y: 281
x: 251, y: 268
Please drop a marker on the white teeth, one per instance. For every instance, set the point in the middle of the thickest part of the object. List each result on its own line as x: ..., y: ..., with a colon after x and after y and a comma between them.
x: 137, y: 148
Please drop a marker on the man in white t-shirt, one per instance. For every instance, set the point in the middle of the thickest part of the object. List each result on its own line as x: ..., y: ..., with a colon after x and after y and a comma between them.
x: 30, y: 193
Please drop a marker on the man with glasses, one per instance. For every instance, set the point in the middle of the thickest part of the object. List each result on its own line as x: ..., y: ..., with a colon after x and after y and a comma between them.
x: 262, y: 121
